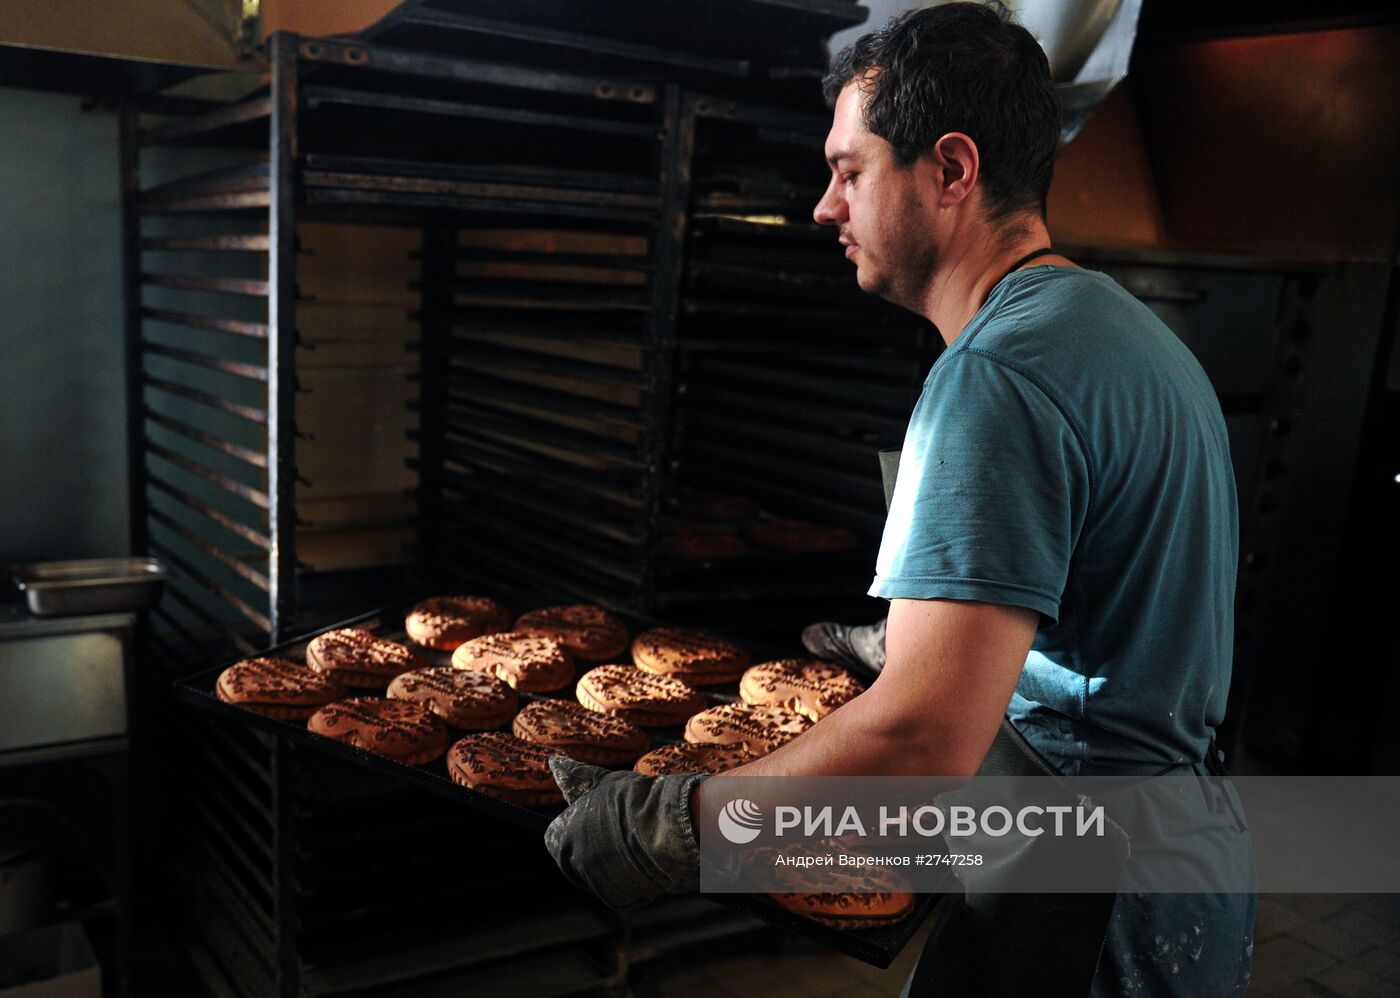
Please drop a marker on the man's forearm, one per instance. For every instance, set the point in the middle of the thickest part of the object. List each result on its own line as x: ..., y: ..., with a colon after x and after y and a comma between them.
x: 862, y: 738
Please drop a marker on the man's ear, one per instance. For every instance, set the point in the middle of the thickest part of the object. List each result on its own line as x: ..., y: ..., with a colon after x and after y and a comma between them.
x: 956, y: 161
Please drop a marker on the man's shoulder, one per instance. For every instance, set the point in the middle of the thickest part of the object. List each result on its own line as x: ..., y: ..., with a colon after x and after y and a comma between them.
x: 1055, y: 304
x: 1064, y: 323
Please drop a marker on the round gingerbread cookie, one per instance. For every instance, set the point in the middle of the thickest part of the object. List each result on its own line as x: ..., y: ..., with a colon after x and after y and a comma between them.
x: 353, y: 656
x: 469, y: 701
x: 799, y: 536
x: 693, y: 657
x: 526, y: 661
x: 504, y: 766
x: 758, y: 730
x: 809, y: 686
x: 276, y: 687
x: 646, y: 700
x: 699, y: 544
x: 590, y: 633
x: 444, y: 622
x: 842, y: 898
x: 405, y: 732
x: 673, y: 760
x: 586, y: 735
x: 709, y: 507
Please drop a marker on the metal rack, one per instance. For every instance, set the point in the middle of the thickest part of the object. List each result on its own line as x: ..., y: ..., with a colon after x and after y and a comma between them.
x: 559, y: 305
x: 548, y: 169
x: 791, y: 378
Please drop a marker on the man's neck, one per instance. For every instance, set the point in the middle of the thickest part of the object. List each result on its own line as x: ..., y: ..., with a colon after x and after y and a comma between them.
x: 967, y: 274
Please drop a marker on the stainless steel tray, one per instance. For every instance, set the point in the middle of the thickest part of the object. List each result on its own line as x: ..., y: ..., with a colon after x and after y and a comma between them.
x: 98, y: 585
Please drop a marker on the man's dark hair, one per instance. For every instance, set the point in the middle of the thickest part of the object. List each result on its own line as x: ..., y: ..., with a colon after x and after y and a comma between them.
x: 961, y: 67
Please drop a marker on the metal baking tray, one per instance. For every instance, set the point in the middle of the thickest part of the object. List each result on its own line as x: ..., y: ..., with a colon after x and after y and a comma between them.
x: 877, y: 946
x: 98, y: 585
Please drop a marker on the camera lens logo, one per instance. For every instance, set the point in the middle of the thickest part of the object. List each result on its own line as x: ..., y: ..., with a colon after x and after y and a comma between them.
x: 741, y: 821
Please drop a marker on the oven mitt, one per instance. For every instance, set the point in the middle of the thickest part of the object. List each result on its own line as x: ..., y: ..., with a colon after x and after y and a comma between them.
x: 627, y: 838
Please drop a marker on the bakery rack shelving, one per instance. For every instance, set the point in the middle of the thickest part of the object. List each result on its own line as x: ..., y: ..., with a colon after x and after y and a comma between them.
x: 791, y: 378
x: 548, y: 168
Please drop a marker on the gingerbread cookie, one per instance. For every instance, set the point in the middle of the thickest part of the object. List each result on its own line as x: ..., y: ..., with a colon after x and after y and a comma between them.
x: 586, y: 735
x: 811, y: 687
x: 709, y: 507
x: 469, y: 701
x: 799, y: 536
x: 353, y: 656
x: 525, y: 661
x: 699, y: 544
x: 646, y: 700
x: 758, y: 730
x: 672, y: 760
x: 444, y: 622
x: 504, y: 766
x: 276, y: 687
x: 842, y: 898
x: 693, y: 657
x: 590, y: 633
x: 405, y: 732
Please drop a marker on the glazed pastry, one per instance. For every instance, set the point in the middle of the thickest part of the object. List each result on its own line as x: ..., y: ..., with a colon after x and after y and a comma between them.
x: 469, y: 701
x: 590, y: 633
x: 504, y: 766
x: 353, y: 656
x: 693, y: 657
x: 757, y: 730
x: 276, y: 687
x: 639, y: 697
x: 811, y: 687
x: 402, y: 731
x: 586, y: 735
x: 671, y: 760
x: 444, y: 622
x: 525, y: 661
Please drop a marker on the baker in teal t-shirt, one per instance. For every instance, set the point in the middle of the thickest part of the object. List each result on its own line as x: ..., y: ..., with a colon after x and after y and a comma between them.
x: 1062, y: 541
x: 1069, y: 455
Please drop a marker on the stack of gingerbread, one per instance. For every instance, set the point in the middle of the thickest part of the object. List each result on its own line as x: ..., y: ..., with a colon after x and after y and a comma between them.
x: 491, y: 692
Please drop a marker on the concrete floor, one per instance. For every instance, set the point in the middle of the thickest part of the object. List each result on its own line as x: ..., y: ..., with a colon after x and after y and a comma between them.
x: 1305, y: 946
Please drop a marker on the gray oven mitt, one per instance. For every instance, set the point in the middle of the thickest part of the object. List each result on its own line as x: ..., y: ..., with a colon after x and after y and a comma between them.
x: 627, y: 838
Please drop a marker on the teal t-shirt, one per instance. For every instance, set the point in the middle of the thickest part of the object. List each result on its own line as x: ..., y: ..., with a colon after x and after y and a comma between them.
x: 1069, y: 455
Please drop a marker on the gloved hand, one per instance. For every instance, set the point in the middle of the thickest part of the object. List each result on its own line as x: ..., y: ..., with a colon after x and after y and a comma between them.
x: 627, y: 838
x: 847, y: 645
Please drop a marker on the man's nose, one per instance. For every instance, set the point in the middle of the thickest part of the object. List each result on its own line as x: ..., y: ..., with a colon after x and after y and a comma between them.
x: 830, y: 208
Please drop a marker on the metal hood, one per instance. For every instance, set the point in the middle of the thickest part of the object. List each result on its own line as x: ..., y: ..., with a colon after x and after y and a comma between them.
x: 212, y: 33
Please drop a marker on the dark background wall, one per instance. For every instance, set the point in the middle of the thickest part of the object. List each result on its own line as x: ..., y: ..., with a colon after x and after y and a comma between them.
x: 62, y: 440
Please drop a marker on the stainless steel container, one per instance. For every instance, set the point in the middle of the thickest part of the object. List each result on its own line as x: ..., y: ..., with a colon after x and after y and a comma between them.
x: 62, y: 680
x: 100, y: 585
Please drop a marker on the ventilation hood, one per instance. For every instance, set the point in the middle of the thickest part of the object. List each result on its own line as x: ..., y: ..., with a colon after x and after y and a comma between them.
x: 213, y: 33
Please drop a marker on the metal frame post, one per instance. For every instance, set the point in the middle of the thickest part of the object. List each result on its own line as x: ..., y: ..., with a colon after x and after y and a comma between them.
x: 439, y: 266
x: 677, y: 155
x: 282, y: 339
x: 285, y: 876
x: 130, y: 164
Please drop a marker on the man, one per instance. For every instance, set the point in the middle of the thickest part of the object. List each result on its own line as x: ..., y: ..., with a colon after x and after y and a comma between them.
x: 1061, y: 546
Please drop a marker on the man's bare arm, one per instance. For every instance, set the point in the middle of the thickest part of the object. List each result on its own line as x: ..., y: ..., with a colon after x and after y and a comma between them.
x: 951, y: 666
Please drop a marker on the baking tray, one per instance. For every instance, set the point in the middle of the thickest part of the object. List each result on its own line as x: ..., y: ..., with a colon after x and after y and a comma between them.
x: 877, y: 946
x: 97, y: 585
